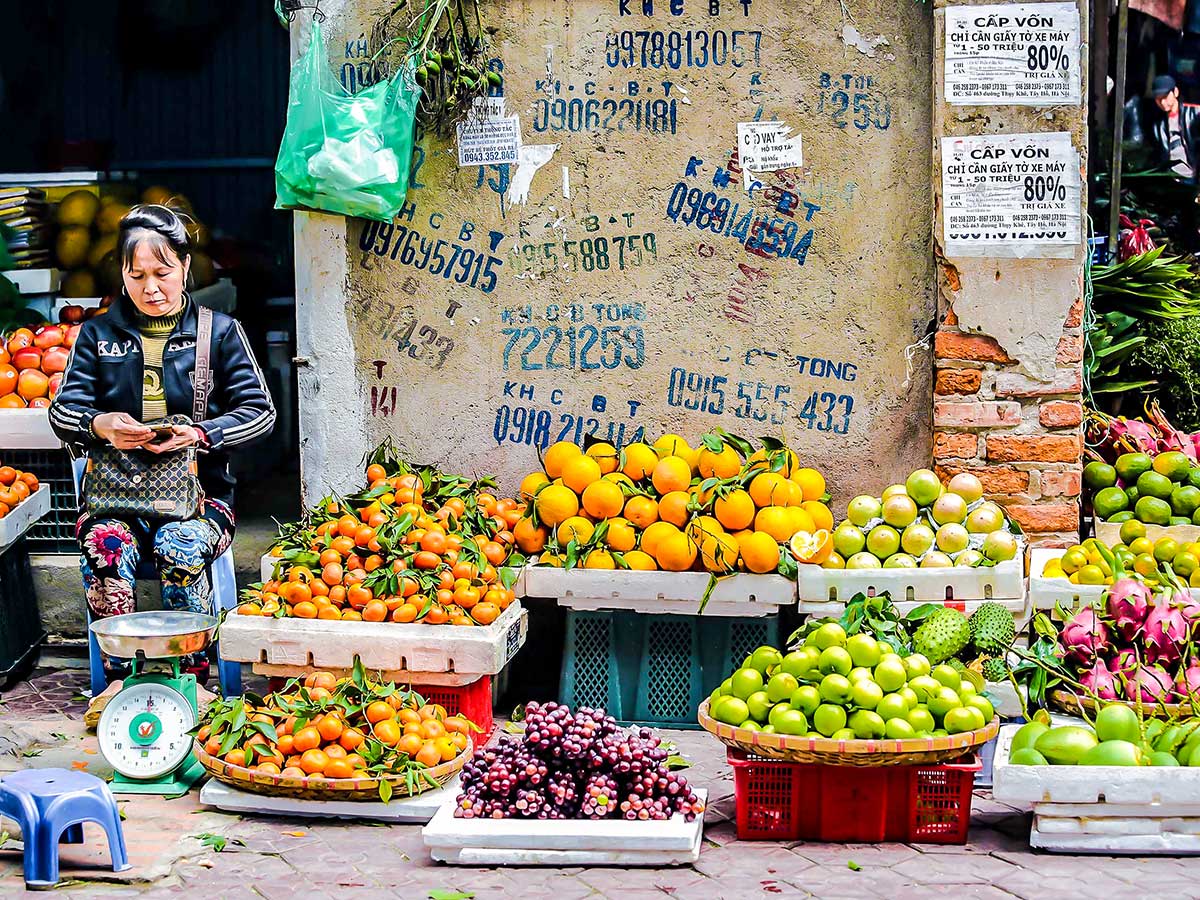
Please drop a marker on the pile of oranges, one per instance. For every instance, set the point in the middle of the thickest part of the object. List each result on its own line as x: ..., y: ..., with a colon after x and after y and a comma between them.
x: 410, y: 548
x: 721, y: 507
x: 15, y: 488
x: 329, y: 727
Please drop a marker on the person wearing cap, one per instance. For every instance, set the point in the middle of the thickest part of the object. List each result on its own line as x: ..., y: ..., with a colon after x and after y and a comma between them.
x: 1177, y: 131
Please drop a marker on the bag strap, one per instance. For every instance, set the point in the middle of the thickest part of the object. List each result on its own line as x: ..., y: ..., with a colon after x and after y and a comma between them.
x: 200, y: 380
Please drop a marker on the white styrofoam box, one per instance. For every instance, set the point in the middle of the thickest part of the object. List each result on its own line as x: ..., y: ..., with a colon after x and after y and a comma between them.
x: 1098, y: 785
x: 1180, y: 811
x: 1044, y: 593
x: 1004, y: 583
x: 22, y: 518
x: 1167, y: 844
x: 386, y: 646
x: 401, y: 810
x: 576, y: 842
x: 1005, y: 699
x: 658, y: 592
x: 27, y: 429
x: 34, y: 281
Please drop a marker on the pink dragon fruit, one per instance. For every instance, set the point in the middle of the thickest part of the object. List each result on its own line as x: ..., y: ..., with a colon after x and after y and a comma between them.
x: 1099, y: 681
x: 1128, y: 605
x: 1187, y: 683
x: 1172, y: 437
x: 1165, y: 631
x: 1189, y: 606
x: 1084, y: 637
x: 1124, y: 664
x: 1150, y: 684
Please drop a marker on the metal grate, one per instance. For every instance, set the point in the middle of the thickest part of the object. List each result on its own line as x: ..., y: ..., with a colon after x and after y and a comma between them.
x: 593, y: 648
x: 668, y: 676
x: 55, y: 532
x: 744, y: 638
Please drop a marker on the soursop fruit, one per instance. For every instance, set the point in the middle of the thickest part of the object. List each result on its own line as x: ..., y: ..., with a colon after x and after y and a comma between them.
x: 942, y: 635
x: 995, y: 669
x: 992, y: 629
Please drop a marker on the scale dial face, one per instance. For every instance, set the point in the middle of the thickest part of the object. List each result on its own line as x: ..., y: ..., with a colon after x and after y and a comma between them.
x: 143, y: 730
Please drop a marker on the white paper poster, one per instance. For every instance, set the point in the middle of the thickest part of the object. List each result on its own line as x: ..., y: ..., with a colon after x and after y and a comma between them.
x: 1011, y: 195
x: 1023, y: 54
x: 767, y: 147
x: 488, y: 137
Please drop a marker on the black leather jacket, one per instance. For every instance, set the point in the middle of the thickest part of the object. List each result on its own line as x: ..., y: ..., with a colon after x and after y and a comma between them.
x: 104, y: 374
x: 1189, y: 124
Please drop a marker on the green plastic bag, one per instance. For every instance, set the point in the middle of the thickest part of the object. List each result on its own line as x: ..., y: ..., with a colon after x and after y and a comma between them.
x: 341, y: 152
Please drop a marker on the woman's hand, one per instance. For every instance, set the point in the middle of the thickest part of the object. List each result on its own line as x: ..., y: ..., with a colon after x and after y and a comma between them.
x: 181, y: 436
x: 122, y: 430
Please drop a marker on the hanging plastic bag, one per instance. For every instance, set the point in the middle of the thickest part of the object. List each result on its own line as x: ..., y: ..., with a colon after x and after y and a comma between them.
x: 341, y: 152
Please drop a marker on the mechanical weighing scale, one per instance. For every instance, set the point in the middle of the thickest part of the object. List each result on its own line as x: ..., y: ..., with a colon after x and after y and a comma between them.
x: 143, y: 731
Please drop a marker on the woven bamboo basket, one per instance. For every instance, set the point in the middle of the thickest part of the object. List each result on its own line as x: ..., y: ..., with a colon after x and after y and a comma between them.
x: 1076, y: 705
x: 271, y: 785
x: 884, y: 752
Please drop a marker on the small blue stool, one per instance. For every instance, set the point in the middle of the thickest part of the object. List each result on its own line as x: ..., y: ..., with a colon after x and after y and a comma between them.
x: 224, y: 596
x: 51, y: 805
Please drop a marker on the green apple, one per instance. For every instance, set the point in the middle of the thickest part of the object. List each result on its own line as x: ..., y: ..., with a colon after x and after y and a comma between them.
x: 836, y: 688
x: 921, y: 719
x: 759, y: 704
x: 800, y: 662
x: 899, y: 729
x: 731, y: 711
x: 806, y: 698
x: 781, y: 686
x: 891, y: 706
x: 776, y: 711
x: 829, y: 718
x: 916, y: 664
x: 866, y: 694
x: 909, y: 695
x: 831, y: 634
x: 835, y: 659
x: 765, y: 658
x: 984, y: 705
x: 867, y: 725
x: 947, y: 675
x: 960, y: 719
x: 890, y: 674
x: 745, y: 682
x: 943, y: 701
x: 791, y: 721
x: 925, y: 686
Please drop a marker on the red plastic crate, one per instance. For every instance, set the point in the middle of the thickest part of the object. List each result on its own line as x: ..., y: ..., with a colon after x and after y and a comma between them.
x: 472, y: 700
x: 785, y: 801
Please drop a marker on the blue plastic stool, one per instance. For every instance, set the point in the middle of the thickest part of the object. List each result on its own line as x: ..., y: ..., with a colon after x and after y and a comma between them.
x: 224, y: 596
x: 51, y: 806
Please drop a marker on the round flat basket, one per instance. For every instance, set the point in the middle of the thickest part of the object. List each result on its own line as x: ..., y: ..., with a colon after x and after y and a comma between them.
x: 1075, y: 704
x: 328, y: 788
x: 883, y: 752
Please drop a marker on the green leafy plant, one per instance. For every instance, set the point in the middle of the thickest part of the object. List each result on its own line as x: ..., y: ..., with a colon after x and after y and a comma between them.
x: 876, y: 616
x: 1170, y: 355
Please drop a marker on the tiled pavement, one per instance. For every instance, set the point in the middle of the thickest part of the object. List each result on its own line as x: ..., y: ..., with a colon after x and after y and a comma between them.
x: 41, y: 725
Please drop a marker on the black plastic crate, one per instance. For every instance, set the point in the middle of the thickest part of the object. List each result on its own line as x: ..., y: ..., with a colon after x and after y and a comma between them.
x: 54, y: 532
x: 21, y: 632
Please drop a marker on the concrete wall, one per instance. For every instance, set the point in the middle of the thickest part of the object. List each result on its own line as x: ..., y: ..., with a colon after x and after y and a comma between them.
x: 1009, y: 346
x: 587, y: 330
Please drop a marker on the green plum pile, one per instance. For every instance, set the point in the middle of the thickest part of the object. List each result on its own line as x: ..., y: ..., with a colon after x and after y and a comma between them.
x: 923, y: 523
x: 848, y: 688
x: 1118, y: 738
x: 1159, y: 490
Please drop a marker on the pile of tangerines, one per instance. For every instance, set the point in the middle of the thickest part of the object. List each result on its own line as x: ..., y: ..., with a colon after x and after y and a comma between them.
x: 15, y: 488
x: 415, y: 546
x: 722, y: 507
x: 323, y: 726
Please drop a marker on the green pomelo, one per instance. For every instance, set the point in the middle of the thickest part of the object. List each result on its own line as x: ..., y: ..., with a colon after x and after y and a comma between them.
x: 1112, y: 753
x: 1064, y: 745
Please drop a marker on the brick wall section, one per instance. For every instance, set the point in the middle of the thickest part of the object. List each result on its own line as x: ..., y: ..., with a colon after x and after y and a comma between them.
x: 1020, y: 436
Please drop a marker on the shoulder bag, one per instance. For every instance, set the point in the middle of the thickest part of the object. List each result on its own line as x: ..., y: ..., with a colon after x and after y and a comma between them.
x: 126, y: 484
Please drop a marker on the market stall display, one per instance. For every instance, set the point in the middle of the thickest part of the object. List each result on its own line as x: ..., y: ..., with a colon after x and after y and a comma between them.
x: 921, y: 541
x: 22, y: 503
x: 329, y: 738
x: 32, y: 361
x: 1160, y: 491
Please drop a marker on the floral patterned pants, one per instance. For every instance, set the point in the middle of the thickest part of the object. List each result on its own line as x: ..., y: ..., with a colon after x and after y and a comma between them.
x: 112, y: 549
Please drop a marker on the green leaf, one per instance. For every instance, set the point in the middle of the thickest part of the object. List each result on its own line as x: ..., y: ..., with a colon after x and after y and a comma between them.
x: 436, y: 894
x: 708, y: 589
x: 853, y: 866
x: 385, y: 790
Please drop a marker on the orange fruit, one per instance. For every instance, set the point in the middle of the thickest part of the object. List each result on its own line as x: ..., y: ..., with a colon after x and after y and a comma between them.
x: 531, y: 484
x: 676, y: 553
x: 775, y: 521
x: 735, y: 510
x: 603, y: 499
x: 640, y: 561
x: 640, y: 460
x: 555, y: 504
x: 605, y: 455
x: 719, y: 553
x: 576, y: 528
x: 557, y: 456
x: 331, y: 728
x: 811, y: 482
x: 769, y: 489
x: 530, y: 538
x: 811, y: 548
x: 428, y: 755
x: 351, y: 738
x: 485, y: 613
x: 446, y: 747
x: 378, y: 710
x: 673, y: 507
x: 375, y: 611
x: 671, y: 474
x: 599, y: 559
x: 760, y: 551
x: 305, y: 610
x: 579, y: 472
x: 641, y: 511
x: 236, y: 757
x: 313, y: 761
x: 335, y: 751
x: 820, y: 513
x: 620, y: 535
x: 388, y: 732
x: 307, y: 738
x: 339, y: 768
x: 725, y: 464
x: 655, y: 534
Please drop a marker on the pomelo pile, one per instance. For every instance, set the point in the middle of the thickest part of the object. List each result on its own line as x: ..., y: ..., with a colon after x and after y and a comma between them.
x: 924, y: 523
x: 325, y: 727
x: 417, y: 545
x: 848, y: 688
x: 721, y: 507
x: 1159, y: 490
x: 1139, y: 555
x: 1116, y: 738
